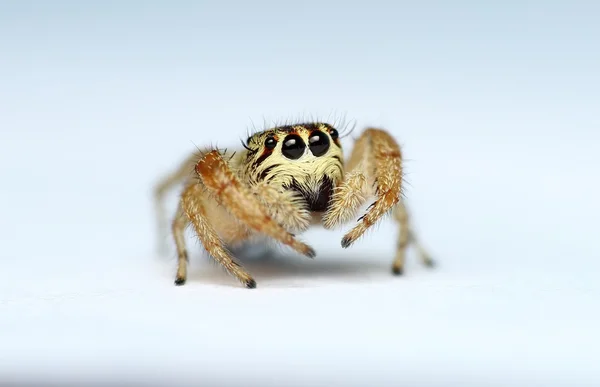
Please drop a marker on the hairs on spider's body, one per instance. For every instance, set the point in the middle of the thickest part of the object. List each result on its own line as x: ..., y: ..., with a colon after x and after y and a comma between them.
x: 285, y: 179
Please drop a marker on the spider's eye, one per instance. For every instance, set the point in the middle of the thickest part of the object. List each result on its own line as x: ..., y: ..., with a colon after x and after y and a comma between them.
x: 293, y: 147
x: 270, y: 143
x: 318, y: 143
x: 334, y: 133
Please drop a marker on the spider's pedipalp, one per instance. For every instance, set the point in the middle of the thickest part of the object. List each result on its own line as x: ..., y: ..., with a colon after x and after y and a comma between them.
x: 347, y: 198
x: 286, y: 207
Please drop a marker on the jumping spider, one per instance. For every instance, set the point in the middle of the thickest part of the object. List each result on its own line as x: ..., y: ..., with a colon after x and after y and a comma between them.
x: 284, y: 180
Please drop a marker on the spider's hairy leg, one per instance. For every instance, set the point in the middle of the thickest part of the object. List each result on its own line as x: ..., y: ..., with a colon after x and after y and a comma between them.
x: 401, y: 217
x: 285, y: 207
x: 178, y: 226
x: 425, y: 257
x: 184, y: 171
x: 406, y: 235
x: 385, y: 164
x: 191, y: 202
x: 238, y: 199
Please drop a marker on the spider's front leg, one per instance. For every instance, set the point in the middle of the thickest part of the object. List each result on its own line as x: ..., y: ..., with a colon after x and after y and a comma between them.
x: 248, y: 205
x: 192, y: 208
x: 375, y: 162
x: 382, y: 159
x: 242, y: 203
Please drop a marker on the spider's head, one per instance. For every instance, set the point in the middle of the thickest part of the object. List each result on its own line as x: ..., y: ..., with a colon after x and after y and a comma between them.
x: 307, y: 158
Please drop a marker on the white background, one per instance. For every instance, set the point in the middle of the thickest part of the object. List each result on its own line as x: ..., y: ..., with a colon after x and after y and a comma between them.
x: 496, y: 107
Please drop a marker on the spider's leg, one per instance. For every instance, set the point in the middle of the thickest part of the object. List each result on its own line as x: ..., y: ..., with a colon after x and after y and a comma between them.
x: 405, y: 236
x: 226, y: 188
x: 178, y: 229
x: 384, y: 160
x: 192, y: 206
x: 184, y: 171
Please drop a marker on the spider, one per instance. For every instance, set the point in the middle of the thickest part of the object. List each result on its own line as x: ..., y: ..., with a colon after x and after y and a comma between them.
x: 284, y: 180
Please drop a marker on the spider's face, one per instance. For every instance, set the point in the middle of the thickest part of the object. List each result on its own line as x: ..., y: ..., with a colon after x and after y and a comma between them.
x: 307, y: 158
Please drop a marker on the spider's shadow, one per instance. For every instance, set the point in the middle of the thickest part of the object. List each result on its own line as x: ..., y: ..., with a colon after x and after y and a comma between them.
x: 275, y: 266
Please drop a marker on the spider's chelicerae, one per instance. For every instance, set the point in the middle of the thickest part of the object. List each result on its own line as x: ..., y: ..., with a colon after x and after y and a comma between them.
x: 284, y: 180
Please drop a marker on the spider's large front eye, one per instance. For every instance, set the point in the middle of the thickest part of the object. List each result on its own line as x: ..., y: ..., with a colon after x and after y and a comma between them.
x: 293, y: 147
x: 318, y: 143
x: 270, y: 143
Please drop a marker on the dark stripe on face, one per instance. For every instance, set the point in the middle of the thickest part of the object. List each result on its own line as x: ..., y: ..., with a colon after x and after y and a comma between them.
x: 338, y: 158
x: 266, y: 153
x: 263, y: 174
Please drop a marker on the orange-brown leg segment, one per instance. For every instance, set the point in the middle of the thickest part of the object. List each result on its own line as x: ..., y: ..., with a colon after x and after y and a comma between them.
x: 384, y: 160
x: 191, y: 203
x: 238, y: 199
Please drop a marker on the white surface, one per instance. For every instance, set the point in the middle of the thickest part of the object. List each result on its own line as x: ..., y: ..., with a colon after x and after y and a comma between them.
x: 333, y: 320
x: 499, y: 123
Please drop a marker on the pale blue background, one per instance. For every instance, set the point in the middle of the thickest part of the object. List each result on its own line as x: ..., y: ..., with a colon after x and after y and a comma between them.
x: 495, y: 104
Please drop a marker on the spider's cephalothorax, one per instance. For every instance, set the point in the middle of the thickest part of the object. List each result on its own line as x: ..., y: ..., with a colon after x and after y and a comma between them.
x: 284, y: 180
x: 306, y: 158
